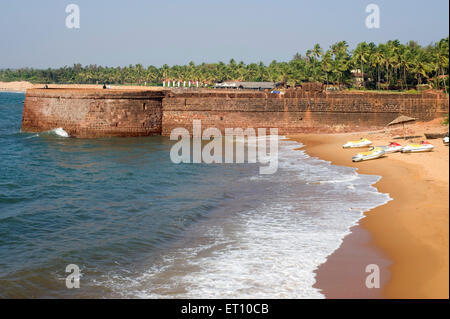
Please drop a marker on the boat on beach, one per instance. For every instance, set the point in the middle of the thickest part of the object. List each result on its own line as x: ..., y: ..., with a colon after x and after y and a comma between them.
x: 373, y: 153
x: 363, y: 142
x: 393, y: 147
x: 416, y: 148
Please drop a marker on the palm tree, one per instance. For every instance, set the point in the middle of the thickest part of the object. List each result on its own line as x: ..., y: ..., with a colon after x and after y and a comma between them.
x: 165, y: 71
x: 341, y: 60
x: 442, y: 59
x: 421, y: 67
x: 379, y: 59
x: 317, y: 51
x: 361, y: 57
x: 327, y: 63
x: 297, y: 56
x: 403, y: 64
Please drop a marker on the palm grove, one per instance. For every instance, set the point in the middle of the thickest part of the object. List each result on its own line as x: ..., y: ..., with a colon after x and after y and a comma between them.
x: 390, y: 65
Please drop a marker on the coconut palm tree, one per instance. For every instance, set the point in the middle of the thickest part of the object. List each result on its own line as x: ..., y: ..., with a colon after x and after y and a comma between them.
x: 379, y: 59
x: 327, y: 63
x: 421, y: 67
x: 361, y: 57
x: 441, y: 58
x: 341, y: 60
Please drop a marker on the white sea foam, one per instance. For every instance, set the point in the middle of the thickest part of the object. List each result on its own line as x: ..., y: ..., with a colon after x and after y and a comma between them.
x: 271, y: 250
x: 57, y: 131
x: 60, y: 132
x: 32, y: 136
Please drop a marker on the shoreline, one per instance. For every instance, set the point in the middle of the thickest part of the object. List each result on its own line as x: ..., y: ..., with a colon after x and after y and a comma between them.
x: 406, y: 237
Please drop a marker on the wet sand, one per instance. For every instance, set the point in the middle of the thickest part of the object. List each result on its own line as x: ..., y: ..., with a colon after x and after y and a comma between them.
x: 408, y: 237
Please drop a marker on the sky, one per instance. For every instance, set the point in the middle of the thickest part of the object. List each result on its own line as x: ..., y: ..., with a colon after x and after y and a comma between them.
x: 119, y: 33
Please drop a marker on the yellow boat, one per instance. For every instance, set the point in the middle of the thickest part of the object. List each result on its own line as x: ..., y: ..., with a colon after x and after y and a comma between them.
x: 363, y: 142
x: 373, y: 153
x: 415, y: 148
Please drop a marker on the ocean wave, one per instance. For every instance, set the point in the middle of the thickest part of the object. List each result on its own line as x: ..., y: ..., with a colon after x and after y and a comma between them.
x: 346, y: 179
x: 60, y: 132
x: 270, y: 250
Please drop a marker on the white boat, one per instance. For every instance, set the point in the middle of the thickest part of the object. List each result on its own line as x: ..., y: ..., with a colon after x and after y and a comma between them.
x: 392, y: 148
x: 415, y: 148
x: 363, y: 142
x: 373, y: 153
x: 445, y: 139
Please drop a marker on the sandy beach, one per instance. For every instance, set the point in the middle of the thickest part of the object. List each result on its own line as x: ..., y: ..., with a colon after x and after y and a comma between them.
x: 409, y: 236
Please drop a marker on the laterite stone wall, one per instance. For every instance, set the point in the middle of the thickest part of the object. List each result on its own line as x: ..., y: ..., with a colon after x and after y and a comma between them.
x: 93, y: 113
x: 298, y: 111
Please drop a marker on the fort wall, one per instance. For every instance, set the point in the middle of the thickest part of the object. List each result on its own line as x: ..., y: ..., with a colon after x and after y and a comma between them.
x: 298, y: 111
x: 91, y: 113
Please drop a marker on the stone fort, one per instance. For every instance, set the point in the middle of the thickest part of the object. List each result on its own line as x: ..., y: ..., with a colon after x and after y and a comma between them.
x: 93, y: 113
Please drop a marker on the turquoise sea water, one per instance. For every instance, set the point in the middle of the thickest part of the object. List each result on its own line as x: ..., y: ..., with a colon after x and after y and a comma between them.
x: 140, y: 226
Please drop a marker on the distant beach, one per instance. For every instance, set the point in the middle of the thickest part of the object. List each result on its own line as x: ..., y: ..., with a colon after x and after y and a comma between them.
x: 412, y: 230
x: 22, y: 86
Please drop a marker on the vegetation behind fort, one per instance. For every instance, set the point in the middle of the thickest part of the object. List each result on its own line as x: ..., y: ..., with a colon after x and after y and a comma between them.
x: 391, y: 65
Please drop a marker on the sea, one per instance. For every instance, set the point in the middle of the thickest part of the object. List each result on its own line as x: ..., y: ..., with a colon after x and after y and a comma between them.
x: 137, y: 225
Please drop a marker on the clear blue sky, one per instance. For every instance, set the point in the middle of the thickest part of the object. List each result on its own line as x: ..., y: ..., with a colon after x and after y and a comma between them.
x: 118, y: 33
